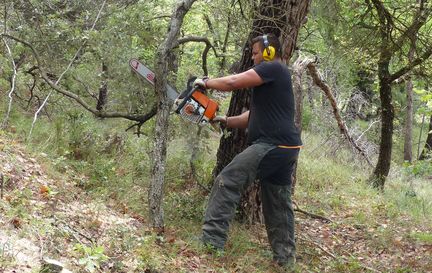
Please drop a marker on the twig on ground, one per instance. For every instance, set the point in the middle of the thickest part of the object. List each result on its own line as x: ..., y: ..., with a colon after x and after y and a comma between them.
x: 362, y: 265
x: 1, y: 185
x: 316, y: 216
x: 332, y: 255
x: 75, y: 231
x: 317, y: 245
x: 203, y: 187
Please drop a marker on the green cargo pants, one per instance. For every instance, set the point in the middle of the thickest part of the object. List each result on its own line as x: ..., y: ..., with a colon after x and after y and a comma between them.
x: 273, y: 166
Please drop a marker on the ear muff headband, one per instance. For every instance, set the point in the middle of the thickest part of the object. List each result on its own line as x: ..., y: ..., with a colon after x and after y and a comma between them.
x: 269, y: 51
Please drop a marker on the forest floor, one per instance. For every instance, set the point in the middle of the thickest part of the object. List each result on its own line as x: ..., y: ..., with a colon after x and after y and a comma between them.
x: 46, y: 214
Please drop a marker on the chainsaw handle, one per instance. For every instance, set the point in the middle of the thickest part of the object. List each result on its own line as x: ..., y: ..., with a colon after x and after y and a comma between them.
x: 188, y: 95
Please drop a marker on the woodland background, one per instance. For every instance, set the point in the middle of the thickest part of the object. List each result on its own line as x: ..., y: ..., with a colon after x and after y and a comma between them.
x: 97, y: 174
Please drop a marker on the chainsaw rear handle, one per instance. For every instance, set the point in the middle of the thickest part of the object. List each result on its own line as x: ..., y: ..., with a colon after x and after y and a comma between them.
x: 188, y: 96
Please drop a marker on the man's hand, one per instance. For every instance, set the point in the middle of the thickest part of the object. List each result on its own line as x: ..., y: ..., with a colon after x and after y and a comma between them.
x: 221, y: 119
x: 201, y: 82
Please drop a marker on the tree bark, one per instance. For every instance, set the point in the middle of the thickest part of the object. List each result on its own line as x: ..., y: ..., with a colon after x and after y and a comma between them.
x: 388, y: 48
x: 284, y: 19
x: 428, y: 145
x: 103, y: 90
x: 155, y: 195
x: 409, y: 110
x: 298, y: 69
x: 382, y: 167
x: 408, y: 120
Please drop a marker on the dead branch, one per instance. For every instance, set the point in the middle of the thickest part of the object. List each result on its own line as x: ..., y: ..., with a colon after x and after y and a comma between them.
x: 5, y: 120
x: 31, y: 89
x: 86, y: 88
x: 310, y: 241
x: 64, y: 72
x: 156, y: 17
x: 315, y: 216
x: 370, y: 126
x: 1, y: 185
x: 298, y: 68
x: 145, y: 117
x: 342, y: 127
x: 71, y: 95
x: 73, y: 230
x: 212, y: 30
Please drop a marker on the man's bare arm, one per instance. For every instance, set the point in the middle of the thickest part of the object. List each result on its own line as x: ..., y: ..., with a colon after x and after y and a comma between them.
x: 246, y: 79
x: 240, y: 121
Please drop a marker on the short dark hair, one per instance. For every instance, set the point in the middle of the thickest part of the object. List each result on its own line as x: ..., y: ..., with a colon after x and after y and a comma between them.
x: 273, y: 41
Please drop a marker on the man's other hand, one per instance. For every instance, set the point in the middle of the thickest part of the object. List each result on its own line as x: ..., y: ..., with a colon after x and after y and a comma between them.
x: 201, y: 82
x: 221, y: 119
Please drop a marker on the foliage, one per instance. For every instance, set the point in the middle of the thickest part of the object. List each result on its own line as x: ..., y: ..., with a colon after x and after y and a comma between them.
x: 93, y: 256
x: 99, y: 157
x: 422, y: 168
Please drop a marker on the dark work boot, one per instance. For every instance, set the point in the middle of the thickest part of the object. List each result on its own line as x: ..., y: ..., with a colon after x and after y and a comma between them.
x: 279, y: 221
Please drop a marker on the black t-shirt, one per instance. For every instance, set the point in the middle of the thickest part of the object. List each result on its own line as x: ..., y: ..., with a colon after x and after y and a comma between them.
x: 271, y: 118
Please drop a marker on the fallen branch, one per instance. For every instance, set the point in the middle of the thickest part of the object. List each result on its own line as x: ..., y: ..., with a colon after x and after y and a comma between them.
x: 73, y: 231
x: 332, y: 255
x: 342, y: 127
x: 1, y: 185
x: 362, y: 265
x: 316, y: 216
x: 317, y: 245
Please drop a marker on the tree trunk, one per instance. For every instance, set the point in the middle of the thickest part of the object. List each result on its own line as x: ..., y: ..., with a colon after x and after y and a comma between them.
x: 428, y: 145
x: 408, y: 121
x: 155, y: 196
x: 103, y: 90
x: 389, y: 46
x: 284, y: 19
x: 382, y: 168
x: 298, y: 69
x: 409, y: 111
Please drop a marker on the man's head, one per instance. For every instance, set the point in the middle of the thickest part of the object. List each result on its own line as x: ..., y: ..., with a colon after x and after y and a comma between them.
x: 258, y: 47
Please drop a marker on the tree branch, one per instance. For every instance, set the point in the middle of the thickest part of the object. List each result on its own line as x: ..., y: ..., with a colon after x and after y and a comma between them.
x: 64, y: 72
x: 410, y: 66
x: 312, y: 215
x: 144, y: 118
x: 342, y: 127
x: 419, y: 20
x: 205, y: 52
x: 157, y: 17
x: 13, y: 78
x: 73, y: 96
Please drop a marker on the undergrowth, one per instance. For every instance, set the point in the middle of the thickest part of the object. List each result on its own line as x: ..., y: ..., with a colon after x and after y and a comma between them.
x: 108, y: 162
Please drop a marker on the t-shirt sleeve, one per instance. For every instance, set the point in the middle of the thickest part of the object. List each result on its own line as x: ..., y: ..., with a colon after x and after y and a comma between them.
x: 267, y: 71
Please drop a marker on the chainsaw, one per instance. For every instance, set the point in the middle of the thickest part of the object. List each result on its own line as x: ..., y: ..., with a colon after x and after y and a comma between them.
x: 192, y: 105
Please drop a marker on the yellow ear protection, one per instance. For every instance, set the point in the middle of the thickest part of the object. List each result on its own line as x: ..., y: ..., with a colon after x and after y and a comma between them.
x: 269, y: 51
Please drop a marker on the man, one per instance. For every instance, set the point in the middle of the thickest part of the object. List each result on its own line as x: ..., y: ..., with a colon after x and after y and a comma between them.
x: 274, y: 147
